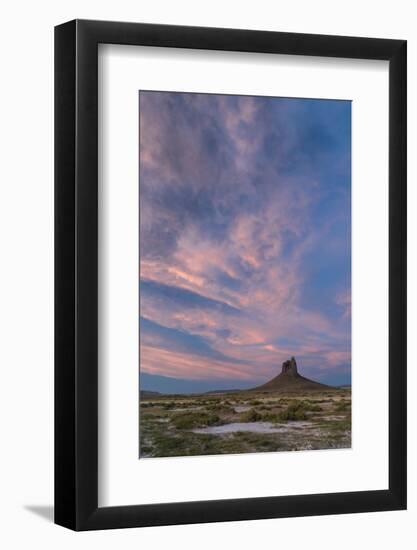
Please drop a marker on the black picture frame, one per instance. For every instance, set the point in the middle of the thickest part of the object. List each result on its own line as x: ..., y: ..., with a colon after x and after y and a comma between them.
x: 76, y: 273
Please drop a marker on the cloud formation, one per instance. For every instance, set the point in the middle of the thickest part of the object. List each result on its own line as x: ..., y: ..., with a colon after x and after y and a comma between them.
x: 244, y: 236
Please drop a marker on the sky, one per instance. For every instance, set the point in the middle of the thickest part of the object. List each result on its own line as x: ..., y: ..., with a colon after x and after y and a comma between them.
x: 245, y: 223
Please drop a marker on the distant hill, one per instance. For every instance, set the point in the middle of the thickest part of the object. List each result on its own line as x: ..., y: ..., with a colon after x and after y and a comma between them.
x: 222, y: 391
x: 173, y: 386
x: 145, y: 394
x: 288, y: 380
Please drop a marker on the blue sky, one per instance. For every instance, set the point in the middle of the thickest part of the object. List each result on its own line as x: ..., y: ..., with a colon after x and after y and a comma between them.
x: 244, y: 238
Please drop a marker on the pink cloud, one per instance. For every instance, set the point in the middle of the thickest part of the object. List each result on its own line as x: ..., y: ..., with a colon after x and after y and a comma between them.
x: 265, y: 279
x: 181, y: 365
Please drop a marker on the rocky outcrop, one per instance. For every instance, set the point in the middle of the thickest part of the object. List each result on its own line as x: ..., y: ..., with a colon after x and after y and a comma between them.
x: 290, y: 381
x: 290, y: 367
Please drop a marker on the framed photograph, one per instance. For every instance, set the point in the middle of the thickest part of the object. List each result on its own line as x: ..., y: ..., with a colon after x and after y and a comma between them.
x: 230, y: 252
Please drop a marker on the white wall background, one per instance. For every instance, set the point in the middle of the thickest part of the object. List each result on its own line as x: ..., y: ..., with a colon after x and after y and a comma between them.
x: 26, y: 272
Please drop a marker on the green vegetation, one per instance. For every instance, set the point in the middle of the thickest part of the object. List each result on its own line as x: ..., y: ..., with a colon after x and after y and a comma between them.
x: 187, y: 421
x: 295, y: 411
x: 251, y: 415
x: 343, y: 406
x: 298, y: 422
